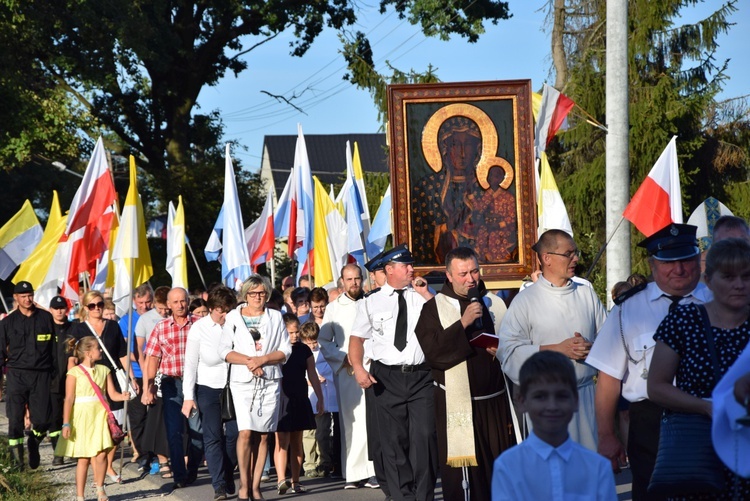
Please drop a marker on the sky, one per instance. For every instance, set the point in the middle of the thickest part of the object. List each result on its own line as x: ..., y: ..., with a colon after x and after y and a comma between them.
x: 517, y: 48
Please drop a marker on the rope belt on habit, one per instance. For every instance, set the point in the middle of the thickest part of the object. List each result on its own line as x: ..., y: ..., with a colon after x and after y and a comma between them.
x: 481, y: 397
x: 405, y: 368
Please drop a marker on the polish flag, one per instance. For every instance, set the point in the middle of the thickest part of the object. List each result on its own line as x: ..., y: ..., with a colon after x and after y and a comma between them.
x: 658, y: 201
x: 90, y: 219
x: 553, y: 109
x: 259, y: 236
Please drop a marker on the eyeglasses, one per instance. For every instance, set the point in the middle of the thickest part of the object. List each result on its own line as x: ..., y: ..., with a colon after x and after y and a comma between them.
x: 567, y: 255
x: 93, y: 306
x: 259, y: 295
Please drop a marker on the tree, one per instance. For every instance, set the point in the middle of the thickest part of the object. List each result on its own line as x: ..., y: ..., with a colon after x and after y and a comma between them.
x: 674, y: 79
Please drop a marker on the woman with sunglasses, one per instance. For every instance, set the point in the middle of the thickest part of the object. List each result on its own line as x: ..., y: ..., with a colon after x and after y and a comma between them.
x: 93, y: 323
x: 255, y: 342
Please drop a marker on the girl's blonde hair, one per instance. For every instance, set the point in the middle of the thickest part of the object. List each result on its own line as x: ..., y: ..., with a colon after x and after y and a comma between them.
x: 83, y: 312
x: 79, y: 347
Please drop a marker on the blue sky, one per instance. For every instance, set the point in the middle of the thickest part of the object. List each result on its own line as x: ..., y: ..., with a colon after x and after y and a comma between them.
x: 514, y: 49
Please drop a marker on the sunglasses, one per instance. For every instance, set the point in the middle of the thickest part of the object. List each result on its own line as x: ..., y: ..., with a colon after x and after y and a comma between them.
x: 93, y: 306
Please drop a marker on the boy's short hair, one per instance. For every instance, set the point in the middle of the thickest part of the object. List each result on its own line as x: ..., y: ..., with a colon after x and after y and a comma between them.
x: 547, y: 366
x: 309, y: 331
x: 290, y: 318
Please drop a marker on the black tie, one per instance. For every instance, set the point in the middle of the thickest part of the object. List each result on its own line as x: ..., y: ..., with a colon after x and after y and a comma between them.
x: 400, y: 340
x: 675, y: 301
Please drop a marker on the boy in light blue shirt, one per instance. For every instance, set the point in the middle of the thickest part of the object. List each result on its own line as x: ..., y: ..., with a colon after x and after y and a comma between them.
x: 549, y: 465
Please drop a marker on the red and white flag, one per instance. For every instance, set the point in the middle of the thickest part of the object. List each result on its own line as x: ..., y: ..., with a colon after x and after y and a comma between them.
x: 89, y: 220
x: 658, y: 200
x: 554, y: 108
x: 259, y: 236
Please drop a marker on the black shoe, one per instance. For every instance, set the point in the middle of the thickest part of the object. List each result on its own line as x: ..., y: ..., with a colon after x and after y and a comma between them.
x: 220, y: 493
x: 58, y: 461
x: 16, y: 454
x: 229, y: 489
x: 192, y: 477
x: 33, y: 444
x: 178, y: 485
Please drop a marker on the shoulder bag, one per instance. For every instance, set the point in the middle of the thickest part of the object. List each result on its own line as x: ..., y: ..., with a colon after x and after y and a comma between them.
x: 225, y: 400
x: 114, y: 427
x: 122, y: 378
x: 686, y: 462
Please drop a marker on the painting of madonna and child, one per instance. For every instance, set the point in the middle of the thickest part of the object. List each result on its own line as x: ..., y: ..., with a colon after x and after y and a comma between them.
x: 463, y: 174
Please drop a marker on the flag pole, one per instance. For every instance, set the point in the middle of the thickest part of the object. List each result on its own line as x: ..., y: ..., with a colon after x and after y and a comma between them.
x: 5, y: 305
x: 601, y: 250
x: 125, y: 426
x: 200, y: 274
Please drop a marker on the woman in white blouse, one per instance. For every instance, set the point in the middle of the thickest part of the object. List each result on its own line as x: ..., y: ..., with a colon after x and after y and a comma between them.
x: 203, y: 380
x: 256, y: 343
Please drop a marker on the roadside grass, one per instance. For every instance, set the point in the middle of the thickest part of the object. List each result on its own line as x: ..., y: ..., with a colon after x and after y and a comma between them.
x: 28, y: 485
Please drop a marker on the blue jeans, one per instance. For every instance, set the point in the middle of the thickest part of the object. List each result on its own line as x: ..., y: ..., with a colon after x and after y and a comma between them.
x: 174, y: 424
x: 219, y: 439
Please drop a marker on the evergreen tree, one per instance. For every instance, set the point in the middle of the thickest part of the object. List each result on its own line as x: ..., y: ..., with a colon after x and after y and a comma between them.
x: 673, y: 81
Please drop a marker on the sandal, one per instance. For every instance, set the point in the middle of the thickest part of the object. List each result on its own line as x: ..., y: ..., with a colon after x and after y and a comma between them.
x: 165, y: 470
x: 101, y: 494
x: 297, y: 488
x: 116, y: 479
x: 283, y: 487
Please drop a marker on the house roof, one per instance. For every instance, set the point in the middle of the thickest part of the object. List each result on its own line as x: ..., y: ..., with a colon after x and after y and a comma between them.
x: 327, y: 155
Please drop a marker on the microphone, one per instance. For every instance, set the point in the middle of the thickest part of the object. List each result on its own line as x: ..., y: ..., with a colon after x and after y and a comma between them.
x: 474, y: 297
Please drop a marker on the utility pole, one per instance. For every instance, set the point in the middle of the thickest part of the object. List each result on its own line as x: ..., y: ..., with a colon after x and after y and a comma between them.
x: 618, y: 143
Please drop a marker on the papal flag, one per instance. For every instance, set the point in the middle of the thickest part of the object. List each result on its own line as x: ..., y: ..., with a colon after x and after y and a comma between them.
x: 34, y: 268
x: 18, y: 238
x: 131, y: 255
x: 330, y: 246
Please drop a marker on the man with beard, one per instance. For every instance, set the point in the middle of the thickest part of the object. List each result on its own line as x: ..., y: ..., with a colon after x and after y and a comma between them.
x: 556, y: 313
x: 471, y: 407
x: 334, y: 343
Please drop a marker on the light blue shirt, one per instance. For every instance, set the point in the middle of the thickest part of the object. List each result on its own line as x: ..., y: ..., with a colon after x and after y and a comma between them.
x: 536, y: 470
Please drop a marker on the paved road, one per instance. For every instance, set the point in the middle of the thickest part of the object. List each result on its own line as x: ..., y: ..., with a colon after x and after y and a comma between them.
x: 140, y: 486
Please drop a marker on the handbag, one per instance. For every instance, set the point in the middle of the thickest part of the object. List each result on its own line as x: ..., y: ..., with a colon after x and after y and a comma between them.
x: 114, y: 427
x: 122, y: 379
x: 686, y: 462
x: 225, y: 399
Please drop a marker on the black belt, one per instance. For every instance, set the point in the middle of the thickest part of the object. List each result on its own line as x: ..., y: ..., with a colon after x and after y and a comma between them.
x: 164, y: 376
x: 405, y: 368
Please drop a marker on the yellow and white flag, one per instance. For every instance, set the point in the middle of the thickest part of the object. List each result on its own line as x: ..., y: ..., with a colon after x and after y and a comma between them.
x: 18, y: 238
x: 34, y: 268
x: 130, y: 255
x: 329, y: 243
x: 176, y: 255
x: 552, y: 211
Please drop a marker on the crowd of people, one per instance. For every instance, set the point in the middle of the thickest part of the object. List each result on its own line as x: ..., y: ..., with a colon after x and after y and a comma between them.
x: 394, y: 387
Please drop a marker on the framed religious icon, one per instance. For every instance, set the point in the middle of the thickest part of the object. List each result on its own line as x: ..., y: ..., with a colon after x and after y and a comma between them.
x: 462, y: 174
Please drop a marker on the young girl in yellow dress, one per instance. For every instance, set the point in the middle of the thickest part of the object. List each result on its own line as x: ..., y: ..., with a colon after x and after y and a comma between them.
x: 85, y: 433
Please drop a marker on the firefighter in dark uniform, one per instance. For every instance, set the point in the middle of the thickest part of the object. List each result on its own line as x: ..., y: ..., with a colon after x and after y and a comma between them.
x: 58, y: 307
x: 27, y: 349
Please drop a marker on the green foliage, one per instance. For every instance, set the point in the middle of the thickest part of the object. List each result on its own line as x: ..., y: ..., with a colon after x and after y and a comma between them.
x: 673, y: 82
x: 30, y: 485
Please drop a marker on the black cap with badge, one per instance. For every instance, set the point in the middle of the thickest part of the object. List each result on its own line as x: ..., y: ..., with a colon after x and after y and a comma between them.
x: 23, y: 287
x: 58, y: 303
x: 672, y: 243
x: 376, y: 263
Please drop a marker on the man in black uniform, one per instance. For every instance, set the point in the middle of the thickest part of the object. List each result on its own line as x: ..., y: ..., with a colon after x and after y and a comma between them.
x: 58, y: 307
x: 27, y: 349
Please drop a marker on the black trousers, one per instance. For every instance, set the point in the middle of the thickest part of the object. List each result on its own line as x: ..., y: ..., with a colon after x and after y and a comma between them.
x: 24, y: 387
x: 405, y: 409
x: 56, y: 404
x: 374, y: 451
x: 137, y: 413
x: 643, y: 444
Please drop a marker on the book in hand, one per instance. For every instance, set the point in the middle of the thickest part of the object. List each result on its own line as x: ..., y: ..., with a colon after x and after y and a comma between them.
x: 485, y: 340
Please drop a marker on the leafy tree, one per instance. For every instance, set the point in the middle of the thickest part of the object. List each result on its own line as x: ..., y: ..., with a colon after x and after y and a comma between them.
x: 674, y: 79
